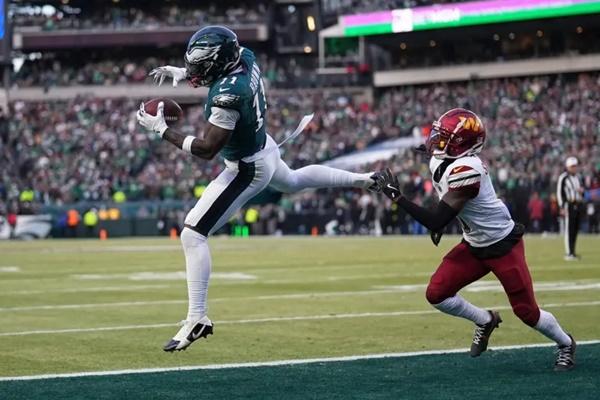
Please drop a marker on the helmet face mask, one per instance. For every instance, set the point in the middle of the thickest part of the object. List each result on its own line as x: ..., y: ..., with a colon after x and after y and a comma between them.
x: 200, y: 73
x: 436, y: 144
x: 212, y: 52
x: 457, y: 133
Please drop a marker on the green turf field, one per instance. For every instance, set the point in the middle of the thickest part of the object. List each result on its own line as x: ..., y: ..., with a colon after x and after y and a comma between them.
x: 83, y: 306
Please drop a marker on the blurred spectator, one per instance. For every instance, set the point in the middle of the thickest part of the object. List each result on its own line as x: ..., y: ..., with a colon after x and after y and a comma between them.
x: 73, y: 219
x: 536, y: 212
x: 117, y: 17
x: 89, y: 149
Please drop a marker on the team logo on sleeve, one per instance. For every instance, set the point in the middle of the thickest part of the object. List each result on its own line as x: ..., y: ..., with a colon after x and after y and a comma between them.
x: 225, y: 100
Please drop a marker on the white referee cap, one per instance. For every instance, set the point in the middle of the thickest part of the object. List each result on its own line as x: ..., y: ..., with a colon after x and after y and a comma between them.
x: 571, y: 162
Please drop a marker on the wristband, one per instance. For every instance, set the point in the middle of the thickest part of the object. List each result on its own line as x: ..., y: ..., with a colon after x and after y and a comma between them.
x: 187, y: 144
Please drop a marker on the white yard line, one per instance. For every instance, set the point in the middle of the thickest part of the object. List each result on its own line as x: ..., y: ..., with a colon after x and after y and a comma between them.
x: 482, y: 286
x: 10, y: 268
x: 92, y: 305
x: 282, y: 319
x: 123, y: 288
x: 278, y: 363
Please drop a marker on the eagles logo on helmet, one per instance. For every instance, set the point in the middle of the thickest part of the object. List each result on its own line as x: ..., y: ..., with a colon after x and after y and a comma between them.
x: 457, y: 133
x: 212, y: 52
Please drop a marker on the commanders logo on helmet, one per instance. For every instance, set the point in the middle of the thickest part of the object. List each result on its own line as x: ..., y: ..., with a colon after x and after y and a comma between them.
x: 457, y: 133
x: 212, y: 52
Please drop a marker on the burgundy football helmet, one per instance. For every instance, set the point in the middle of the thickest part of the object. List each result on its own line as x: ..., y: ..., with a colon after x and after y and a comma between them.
x: 457, y: 133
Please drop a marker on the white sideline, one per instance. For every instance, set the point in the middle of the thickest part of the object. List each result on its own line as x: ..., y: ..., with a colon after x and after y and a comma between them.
x: 281, y: 319
x: 277, y: 363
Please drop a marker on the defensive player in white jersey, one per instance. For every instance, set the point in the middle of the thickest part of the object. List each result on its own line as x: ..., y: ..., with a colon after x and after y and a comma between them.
x: 492, y: 242
x: 236, y: 114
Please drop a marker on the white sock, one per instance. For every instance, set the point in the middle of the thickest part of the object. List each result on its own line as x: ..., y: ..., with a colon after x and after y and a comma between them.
x: 459, y: 307
x: 198, y: 267
x: 549, y: 327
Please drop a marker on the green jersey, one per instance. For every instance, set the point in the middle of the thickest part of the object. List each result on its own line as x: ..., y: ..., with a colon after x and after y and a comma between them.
x: 242, y: 91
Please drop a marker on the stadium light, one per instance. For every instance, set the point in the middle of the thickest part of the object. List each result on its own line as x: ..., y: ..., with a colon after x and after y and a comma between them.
x: 310, y: 23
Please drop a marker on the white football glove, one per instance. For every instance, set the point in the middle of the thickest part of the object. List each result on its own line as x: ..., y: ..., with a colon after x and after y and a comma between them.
x: 168, y: 71
x: 155, y: 123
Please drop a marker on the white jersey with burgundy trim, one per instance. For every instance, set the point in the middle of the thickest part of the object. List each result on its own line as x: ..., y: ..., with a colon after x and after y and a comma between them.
x: 485, y: 220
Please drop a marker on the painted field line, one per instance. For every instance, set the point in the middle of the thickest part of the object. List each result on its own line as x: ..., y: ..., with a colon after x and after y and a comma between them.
x: 93, y: 305
x: 10, y: 268
x: 282, y: 319
x: 482, y: 286
x: 278, y: 363
x: 123, y: 288
x: 338, y: 278
x: 217, y: 300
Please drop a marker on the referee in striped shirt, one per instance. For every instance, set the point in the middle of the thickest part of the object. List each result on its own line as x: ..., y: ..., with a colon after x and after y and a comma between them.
x: 569, y: 192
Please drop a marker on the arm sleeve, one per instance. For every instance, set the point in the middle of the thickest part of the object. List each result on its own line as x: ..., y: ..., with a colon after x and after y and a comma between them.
x: 225, y: 118
x: 559, y: 191
x: 434, y: 220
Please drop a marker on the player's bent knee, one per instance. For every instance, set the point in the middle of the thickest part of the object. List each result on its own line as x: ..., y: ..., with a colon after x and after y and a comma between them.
x: 435, y: 294
x: 191, y: 238
x: 527, y: 313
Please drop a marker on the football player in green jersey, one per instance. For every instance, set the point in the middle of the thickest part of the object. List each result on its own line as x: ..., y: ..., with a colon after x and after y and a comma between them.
x: 236, y: 114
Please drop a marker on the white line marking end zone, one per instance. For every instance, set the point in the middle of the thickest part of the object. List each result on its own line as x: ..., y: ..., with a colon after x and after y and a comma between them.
x: 277, y: 363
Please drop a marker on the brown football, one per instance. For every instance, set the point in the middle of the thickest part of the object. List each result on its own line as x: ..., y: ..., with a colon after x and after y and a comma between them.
x: 172, y: 110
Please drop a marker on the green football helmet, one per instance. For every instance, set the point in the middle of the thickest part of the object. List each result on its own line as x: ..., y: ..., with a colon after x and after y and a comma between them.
x: 212, y: 52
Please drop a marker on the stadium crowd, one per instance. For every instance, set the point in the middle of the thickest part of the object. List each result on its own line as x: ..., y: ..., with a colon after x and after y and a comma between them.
x: 90, y: 149
x: 176, y: 13
x: 100, y: 69
x: 184, y: 13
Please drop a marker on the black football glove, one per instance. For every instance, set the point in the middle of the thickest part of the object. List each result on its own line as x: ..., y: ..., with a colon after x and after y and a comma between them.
x: 388, y: 182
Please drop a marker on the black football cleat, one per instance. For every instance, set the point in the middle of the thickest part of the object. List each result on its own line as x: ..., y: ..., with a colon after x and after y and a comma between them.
x: 190, y: 331
x: 482, y: 334
x: 565, y: 357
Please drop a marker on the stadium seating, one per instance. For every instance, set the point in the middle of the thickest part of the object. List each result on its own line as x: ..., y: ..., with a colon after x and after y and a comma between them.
x: 533, y: 123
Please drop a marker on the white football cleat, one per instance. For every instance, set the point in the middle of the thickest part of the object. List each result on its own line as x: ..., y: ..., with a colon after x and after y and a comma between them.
x: 190, y: 331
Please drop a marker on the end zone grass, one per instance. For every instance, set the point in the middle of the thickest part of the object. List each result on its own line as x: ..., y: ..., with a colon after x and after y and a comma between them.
x: 76, y: 306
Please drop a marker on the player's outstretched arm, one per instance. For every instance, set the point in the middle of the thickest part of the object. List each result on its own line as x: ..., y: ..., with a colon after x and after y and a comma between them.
x: 435, y: 219
x: 207, y: 147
